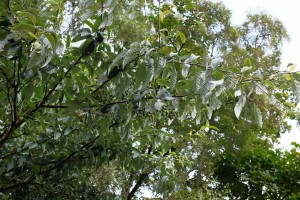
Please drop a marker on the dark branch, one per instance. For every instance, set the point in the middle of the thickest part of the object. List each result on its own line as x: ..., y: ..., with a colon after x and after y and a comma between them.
x: 5, y: 75
x: 18, y: 185
x: 137, y: 185
x: 18, y: 122
x: 141, y: 179
x: 55, y: 106
x: 288, y: 194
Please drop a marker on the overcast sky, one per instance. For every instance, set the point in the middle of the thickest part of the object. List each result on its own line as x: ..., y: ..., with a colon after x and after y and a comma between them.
x: 286, y: 11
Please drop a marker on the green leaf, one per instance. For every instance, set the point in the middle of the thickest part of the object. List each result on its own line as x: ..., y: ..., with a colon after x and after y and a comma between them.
x: 164, y: 94
x: 68, y: 42
x: 166, y: 72
x: 296, y: 88
x: 57, y: 135
x: 163, y: 82
x: 22, y: 27
x: 117, y: 59
x: 182, y: 36
x: 28, y: 91
x: 130, y: 55
x: 197, y: 81
x: 10, y: 165
x: 162, y: 14
x: 2, y: 96
x: 97, y: 24
x: 68, y: 96
x: 288, y: 77
x: 28, y: 15
x: 30, y: 145
x: 90, y: 24
x: 244, y: 69
x: 51, y: 39
x: 83, y: 79
x: 55, y: 97
x: 35, y: 58
x: 218, y: 75
x: 198, y: 110
x: 173, y: 78
x: 215, y: 104
x: 83, y: 34
x: 258, y: 115
x: 192, y: 58
x: 247, y: 62
x: 49, y: 57
x: 161, y: 65
x: 289, y: 104
x: 92, y: 156
x: 296, y: 75
x: 140, y: 76
x: 149, y: 75
x: 21, y: 161
x: 32, y: 35
x: 214, y: 128
x: 269, y: 84
x: 68, y: 130
x: 291, y: 67
x: 239, y: 105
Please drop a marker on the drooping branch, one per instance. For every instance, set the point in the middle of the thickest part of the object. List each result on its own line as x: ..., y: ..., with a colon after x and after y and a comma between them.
x: 114, y: 76
x: 288, y: 194
x: 55, y: 106
x: 140, y: 180
x: 137, y: 185
x: 17, y: 122
x: 18, y: 185
x: 57, y: 165
x: 144, y: 176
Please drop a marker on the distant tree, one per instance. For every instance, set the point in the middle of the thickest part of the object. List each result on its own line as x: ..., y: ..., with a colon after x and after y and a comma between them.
x: 262, y: 174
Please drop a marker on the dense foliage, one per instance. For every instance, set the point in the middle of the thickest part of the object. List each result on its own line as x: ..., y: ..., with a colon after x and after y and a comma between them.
x: 103, y: 99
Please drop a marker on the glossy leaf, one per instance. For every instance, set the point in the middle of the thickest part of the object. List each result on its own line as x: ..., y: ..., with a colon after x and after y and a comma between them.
x: 239, y: 105
x: 258, y: 116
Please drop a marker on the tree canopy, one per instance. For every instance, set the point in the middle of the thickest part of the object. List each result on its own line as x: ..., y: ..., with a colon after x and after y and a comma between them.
x: 103, y: 99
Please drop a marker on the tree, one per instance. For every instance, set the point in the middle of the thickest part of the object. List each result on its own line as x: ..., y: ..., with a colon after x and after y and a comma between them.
x: 261, y: 173
x: 100, y: 99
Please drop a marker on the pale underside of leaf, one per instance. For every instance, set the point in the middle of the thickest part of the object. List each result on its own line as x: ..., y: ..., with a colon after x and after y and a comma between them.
x: 239, y: 105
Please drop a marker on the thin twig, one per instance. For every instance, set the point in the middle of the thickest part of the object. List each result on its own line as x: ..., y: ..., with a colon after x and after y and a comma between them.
x: 158, y: 15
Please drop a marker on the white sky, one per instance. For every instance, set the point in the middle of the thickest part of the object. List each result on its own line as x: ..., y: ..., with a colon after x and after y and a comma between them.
x: 288, y: 12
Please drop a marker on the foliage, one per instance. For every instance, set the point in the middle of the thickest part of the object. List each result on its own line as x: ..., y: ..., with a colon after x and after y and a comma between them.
x: 261, y: 173
x: 100, y: 99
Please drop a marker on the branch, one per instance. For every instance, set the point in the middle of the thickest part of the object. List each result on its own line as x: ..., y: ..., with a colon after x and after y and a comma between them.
x: 55, y: 106
x: 29, y: 80
x: 175, y: 62
x: 144, y: 176
x: 158, y: 16
x: 18, y: 122
x: 62, y: 162
x: 8, y: 7
x: 288, y: 194
x: 105, y: 82
x: 180, y: 48
x: 101, y: 86
x: 141, y: 179
x: 20, y: 151
x: 137, y: 185
x: 18, y: 185
x: 5, y: 75
x: 15, y: 86
x: 128, y: 185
